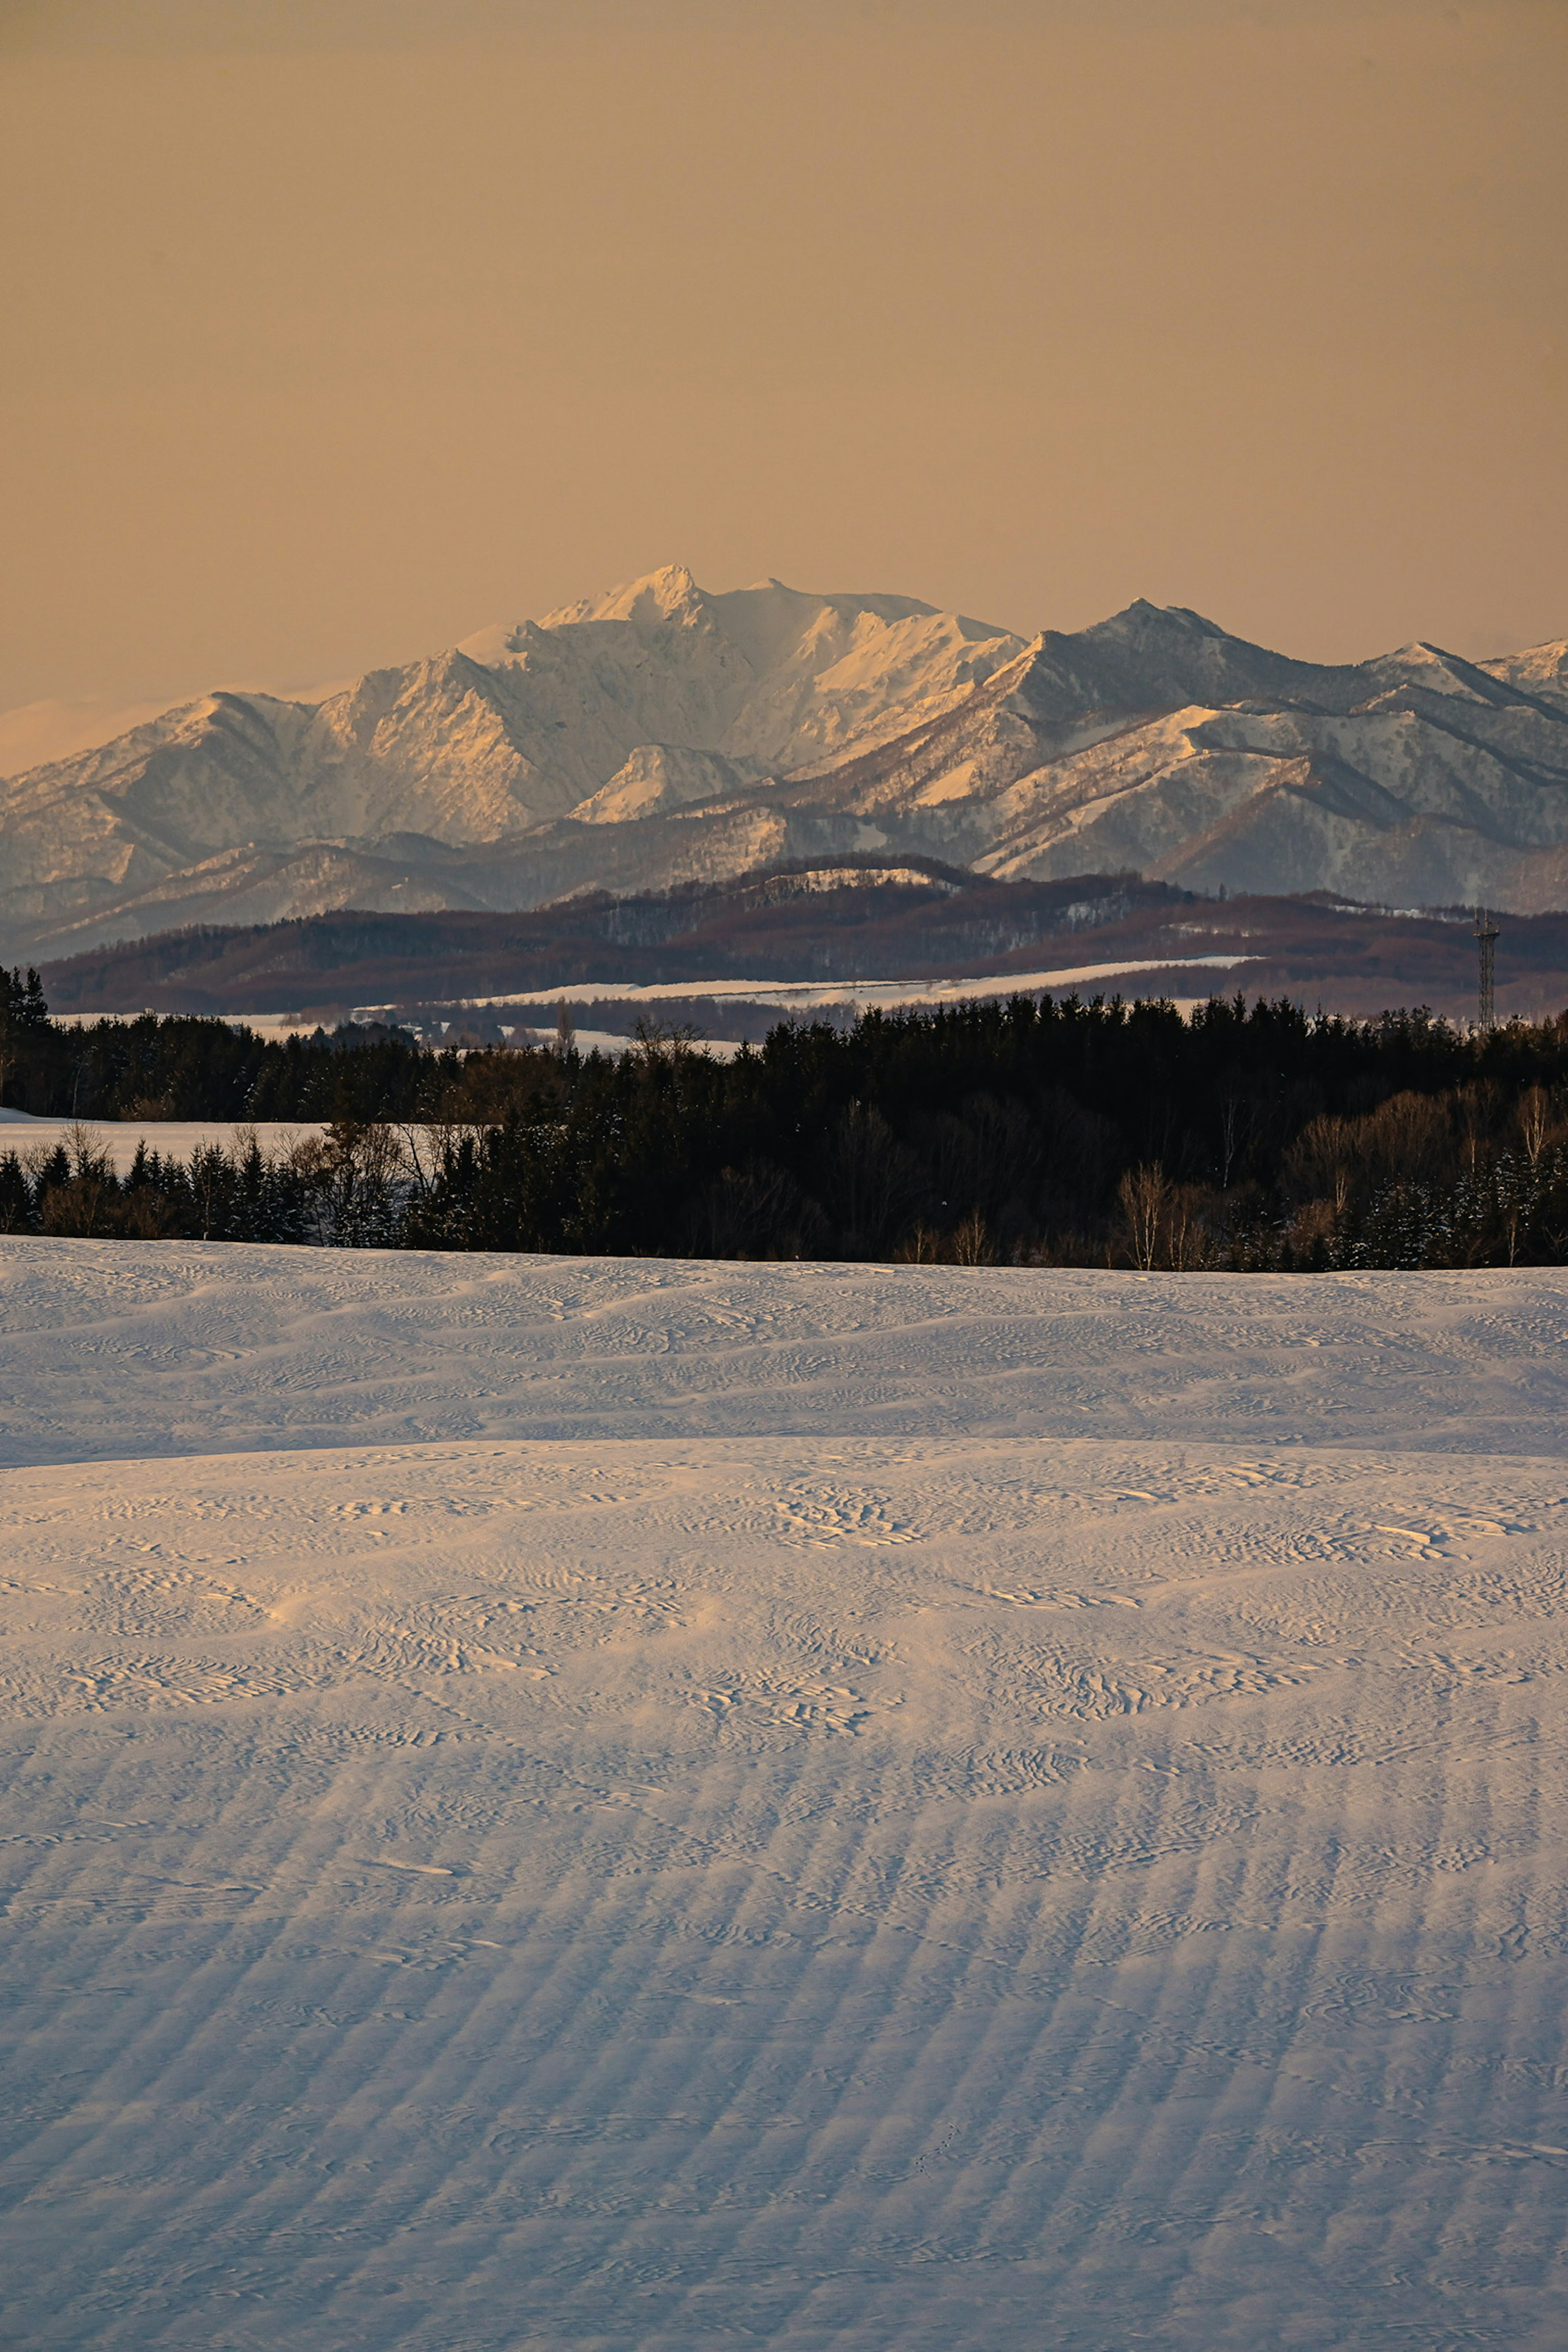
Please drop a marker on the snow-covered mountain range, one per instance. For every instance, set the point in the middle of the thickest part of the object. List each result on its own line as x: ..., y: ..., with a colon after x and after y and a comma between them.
x: 662, y: 734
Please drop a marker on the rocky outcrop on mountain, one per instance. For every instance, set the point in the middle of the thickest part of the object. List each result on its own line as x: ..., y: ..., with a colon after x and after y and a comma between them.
x: 658, y: 778
x: 662, y: 735
x: 1540, y: 670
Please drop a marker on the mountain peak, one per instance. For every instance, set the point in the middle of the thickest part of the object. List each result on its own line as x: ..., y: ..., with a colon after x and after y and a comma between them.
x: 1141, y: 617
x: 668, y: 593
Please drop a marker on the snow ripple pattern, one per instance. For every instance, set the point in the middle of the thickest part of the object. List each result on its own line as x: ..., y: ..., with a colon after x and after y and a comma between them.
x: 931, y: 1808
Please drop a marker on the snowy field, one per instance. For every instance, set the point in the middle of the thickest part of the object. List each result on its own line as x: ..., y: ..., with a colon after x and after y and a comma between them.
x: 805, y: 995
x: 569, y: 1805
x: 119, y: 1139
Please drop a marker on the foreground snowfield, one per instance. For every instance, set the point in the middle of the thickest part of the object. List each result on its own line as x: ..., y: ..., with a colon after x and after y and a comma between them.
x: 566, y: 1803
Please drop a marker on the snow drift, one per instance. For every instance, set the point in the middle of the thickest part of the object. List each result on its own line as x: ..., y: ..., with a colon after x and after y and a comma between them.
x: 599, y: 1803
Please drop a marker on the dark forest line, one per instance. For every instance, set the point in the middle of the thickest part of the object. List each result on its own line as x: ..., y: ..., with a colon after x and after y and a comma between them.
x: 1016, y: 1132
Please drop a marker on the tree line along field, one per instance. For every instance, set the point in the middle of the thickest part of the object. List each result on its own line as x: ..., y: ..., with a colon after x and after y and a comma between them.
x: 1059, y: 1132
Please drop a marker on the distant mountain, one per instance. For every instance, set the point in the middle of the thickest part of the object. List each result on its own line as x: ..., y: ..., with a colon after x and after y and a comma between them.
x: 1156, y: 742
x: 662, y: 735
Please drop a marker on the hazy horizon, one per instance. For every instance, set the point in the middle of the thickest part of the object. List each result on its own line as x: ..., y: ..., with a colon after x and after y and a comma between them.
x: 341, y: 331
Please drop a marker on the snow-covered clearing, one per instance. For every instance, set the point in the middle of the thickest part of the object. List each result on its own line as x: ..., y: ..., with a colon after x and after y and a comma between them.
x: 176, y: 1138
x: 577, y: 1805
x: 812, y: 995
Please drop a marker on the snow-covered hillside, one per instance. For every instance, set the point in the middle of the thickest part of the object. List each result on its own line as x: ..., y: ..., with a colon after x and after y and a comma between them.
x: 190, y: 815
x: 583, y: 1803
x: 1155, y: 741
x: 662, y: 735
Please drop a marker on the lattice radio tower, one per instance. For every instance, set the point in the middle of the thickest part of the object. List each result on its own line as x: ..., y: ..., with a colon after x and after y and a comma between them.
x: 1486, y: 937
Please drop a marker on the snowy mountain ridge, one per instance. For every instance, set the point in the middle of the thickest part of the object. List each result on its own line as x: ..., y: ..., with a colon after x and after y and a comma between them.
x: 662, y: 734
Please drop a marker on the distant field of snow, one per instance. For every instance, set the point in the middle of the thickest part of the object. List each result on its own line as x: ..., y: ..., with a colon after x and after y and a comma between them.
x: 805, y: 995
x: 582, y: 1805
x: 119, y: 1139
x: 273, y: 1026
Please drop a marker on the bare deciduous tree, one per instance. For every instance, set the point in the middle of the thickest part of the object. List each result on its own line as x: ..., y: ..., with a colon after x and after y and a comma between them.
x: 1144, y: 1195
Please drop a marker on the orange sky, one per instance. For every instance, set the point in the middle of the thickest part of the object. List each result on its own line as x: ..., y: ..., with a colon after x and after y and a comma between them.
x: 333, y: 332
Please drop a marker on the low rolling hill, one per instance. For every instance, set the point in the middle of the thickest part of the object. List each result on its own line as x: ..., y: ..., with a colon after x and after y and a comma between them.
x: 832, y: 929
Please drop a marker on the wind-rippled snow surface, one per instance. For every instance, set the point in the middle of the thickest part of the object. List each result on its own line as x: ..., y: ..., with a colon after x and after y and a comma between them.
x: 562, y: 1806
